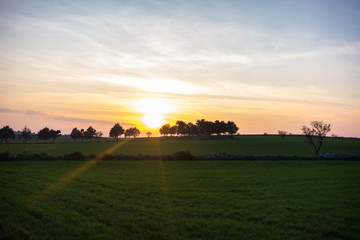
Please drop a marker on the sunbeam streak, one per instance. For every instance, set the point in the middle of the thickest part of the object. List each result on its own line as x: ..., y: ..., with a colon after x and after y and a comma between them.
x: 71, y: 175
x: 165, y: 191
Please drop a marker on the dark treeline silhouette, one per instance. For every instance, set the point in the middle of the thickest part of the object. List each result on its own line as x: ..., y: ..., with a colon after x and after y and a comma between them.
x: 6, y: 133
x: 132, y: 132
x: 45, y: 134
x: 200, y: 128
x: 89, y: 133
x: 314, y: 134
x: 117, y: 130
x: 25, y: 134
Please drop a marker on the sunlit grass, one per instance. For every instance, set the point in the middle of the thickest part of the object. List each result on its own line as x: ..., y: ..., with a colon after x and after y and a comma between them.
x: 238, y: 145
x: 182, y: 200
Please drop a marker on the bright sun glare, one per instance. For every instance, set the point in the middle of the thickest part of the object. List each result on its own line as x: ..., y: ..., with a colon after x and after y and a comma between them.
x: 154, y: 110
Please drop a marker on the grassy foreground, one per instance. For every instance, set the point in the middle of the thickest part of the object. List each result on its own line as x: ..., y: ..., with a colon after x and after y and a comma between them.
x: 293, y: 145
x: 180, y: 200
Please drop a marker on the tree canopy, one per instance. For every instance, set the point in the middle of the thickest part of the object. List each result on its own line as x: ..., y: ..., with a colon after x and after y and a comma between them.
x: 25, y: 134
x: 116, y: 131
x: 132, y: 132
x: 90, y: 133
x: 6, y: 133
x: 316, y: 133
x: 201, y: 128
x: 75, y: 134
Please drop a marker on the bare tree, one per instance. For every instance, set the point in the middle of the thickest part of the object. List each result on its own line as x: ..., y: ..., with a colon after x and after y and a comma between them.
x: 98, y: 135
x: 316, y: 134
x: 25, y: 134
x: 282, y: 134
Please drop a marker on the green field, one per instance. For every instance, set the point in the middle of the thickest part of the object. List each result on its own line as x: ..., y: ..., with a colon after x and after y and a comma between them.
x: 292, y: 145
x: 180, y: 200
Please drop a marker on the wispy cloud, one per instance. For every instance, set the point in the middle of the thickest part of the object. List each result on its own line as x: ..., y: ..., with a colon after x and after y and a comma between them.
x: 84, y: 120
x: 6, y: 110
x: 61, y: 118
x: 157, y: 85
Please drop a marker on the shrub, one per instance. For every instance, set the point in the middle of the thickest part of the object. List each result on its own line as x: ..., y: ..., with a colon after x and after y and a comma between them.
x: 76, y: 156
x: 183, y: 155
x: 5, y: 156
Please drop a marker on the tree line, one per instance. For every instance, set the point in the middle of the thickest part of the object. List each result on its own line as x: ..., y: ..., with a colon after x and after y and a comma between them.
x: 116, y: 131
x: 45, y: 134
x: 200, y: 128
x: 7, y: 133
x: 314, y: 135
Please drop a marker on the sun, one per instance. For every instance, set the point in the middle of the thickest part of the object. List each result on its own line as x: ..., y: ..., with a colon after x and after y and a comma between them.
x: 154, y: 110
x: 154, y: 120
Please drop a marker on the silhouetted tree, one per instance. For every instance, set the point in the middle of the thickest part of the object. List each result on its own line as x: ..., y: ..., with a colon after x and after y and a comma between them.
x: 181, y: 127
x: 44, y: 134
x: 90, y: 133
x: 98, y: 135
x: 165, y: 129
x: 316, y: 134
x: 135, y: 132
x: 75, y: 134
x: 282, y: 134
x: 127, y: 133
x: 173, y: 130
x: 25, y: 134
x: 6, y: 133
x: 116, y: 131
x: 82, y: 134
x: 132, y: 132
x: 148, y: 134
x: 219, y: 127
x: 231, y: 128
x: 205, y: 127
x: 201, y: 126
x: 191, y: 129
x: 54, y: 134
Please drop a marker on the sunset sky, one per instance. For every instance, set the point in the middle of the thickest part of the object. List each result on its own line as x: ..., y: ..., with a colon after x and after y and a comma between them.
x: 266, y: 65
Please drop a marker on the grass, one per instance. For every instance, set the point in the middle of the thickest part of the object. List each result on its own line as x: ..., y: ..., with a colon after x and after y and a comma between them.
x: 181, y: 200
x: 293, y: 145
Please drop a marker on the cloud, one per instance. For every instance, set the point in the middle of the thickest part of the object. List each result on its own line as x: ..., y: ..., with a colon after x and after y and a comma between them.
x: 6, y: 110
x: 157, y: 85
x: 84, y: 120
x: 60, y: 118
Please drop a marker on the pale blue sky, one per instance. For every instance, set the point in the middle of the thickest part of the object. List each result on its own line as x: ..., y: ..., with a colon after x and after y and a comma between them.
x: 254, y: 61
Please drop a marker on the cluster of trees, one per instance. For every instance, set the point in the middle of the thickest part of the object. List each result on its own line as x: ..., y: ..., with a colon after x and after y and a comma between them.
x: 45, y: 134
x: 201, y: 127
x: 89, y: 133
x: 6, y: 133
x: 117, y: 130
x: 314, y: 134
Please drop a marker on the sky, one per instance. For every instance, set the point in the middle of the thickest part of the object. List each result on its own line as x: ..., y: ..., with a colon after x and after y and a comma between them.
x: 266, y: 65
